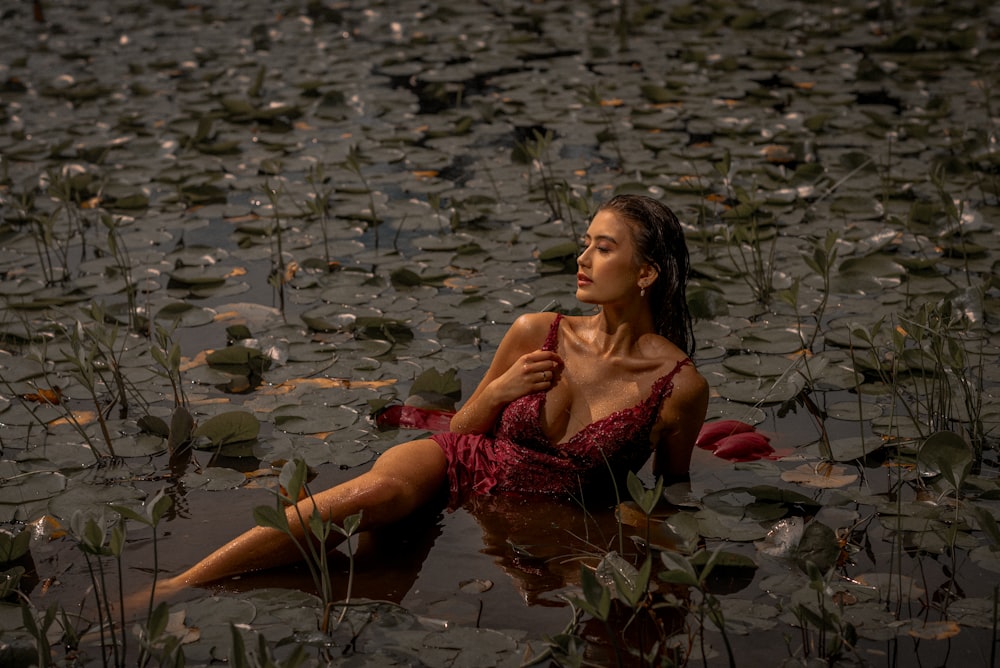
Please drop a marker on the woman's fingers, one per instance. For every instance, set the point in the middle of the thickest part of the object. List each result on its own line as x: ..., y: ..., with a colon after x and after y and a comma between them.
x: 539, y: 368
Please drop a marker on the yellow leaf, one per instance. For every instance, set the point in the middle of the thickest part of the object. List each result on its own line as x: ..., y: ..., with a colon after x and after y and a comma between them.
x: 80, y: 417
x: 935, y: 630
x: 821, y: 476
x: 45, y: 396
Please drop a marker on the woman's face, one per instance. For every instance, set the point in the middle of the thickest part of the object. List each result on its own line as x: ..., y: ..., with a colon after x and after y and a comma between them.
x: 607, y: 268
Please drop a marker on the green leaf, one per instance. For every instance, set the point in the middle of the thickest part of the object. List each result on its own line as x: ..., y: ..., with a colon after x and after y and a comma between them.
x: 680, y: 570
x: 117, y: 541
x: 9, y: 581
x: 318, y: 526
x: 818, y: 547
x: 433, y: 384
x: 154, y: 425
x: 984, y: 518
x: 947, y: 454
x: 597, y: 598
x: 14, y: 546
x: 129, y: 513
x: 93, y: 535
x: 238, y: 356
x: 293, y: 477
x: 646, y: 499
x: 238, y: 657
x: 352, y: 523
x: 159, y: 505
x: 629, y: 583
x: 181, y: 426
x: 784, y: 496
x: 723, y: 559
x: 270, y: 517
x: 229, y: 427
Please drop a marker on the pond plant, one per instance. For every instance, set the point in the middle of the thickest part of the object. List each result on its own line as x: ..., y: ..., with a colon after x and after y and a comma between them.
x: 201, y: 309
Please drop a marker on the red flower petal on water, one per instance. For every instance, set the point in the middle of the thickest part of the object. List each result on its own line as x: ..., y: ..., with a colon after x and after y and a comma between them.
x: 712, y: 432
x: 743, y: 447
x: 410, y: 417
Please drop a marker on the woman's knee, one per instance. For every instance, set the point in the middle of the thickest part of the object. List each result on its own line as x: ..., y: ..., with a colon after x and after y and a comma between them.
x: 411, y: 473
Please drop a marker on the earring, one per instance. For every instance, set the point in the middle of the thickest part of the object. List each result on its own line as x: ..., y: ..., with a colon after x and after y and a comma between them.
x: 642, y: 291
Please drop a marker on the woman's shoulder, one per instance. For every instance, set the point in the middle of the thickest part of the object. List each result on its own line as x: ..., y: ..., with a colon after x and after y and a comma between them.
x: 531, y: 326
x: 687, y: 380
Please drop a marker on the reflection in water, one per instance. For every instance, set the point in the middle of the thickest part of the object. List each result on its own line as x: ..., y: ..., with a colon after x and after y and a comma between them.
x: 541, y: 541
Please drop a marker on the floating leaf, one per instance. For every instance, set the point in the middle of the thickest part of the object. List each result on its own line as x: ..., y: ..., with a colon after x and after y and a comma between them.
x: 927, y: 630
x: 822, y: 476
x: 853, y: 447
x: 818, y: 546
x: 213, y: 479
x: 33, y: 487
x: 229, y: 427
x: 45, y: 396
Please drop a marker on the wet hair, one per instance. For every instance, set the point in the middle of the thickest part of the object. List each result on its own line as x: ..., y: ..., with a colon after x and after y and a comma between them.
x: 660, y: 243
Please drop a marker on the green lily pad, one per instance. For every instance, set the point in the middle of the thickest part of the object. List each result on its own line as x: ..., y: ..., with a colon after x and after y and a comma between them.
x: 715, y: 525
x: 856, y: 411
x: 758, y: 391
x: 214, y: 479
x: 306, y: 419
x: 758, y: 365
x: 181, y: 314
x: 228, y: 428
x: 30, y: 488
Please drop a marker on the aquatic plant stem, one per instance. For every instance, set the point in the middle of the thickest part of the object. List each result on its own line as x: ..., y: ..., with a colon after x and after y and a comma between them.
x: 993, y: 634
x: 278, y: 262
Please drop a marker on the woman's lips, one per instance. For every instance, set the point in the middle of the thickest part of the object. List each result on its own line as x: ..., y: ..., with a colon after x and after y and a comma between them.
x: 582, y: 281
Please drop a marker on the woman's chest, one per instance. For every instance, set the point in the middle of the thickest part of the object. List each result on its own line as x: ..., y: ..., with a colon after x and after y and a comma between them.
x: 588, y: 396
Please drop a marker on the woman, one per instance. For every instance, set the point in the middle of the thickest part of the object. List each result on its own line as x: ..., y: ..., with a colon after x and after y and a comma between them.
x: 564, y: 400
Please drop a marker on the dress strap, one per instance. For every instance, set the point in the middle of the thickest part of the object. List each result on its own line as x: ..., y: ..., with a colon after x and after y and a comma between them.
x: 664, y: 385
x: 552, y: 340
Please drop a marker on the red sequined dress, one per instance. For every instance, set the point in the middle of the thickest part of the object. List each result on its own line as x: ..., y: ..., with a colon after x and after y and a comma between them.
x: 519, y: 458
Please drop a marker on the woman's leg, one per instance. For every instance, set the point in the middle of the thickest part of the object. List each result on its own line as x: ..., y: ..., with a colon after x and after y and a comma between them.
x: 403, y: 479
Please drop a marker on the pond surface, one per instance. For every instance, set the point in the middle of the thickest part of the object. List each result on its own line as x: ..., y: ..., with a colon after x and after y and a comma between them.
x: 281, y: 217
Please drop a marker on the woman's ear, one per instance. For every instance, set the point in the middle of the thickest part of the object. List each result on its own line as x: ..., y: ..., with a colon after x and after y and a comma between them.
x: 648, y: 274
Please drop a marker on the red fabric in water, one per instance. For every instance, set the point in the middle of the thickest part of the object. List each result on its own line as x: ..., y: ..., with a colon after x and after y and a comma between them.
x: 729, y: 439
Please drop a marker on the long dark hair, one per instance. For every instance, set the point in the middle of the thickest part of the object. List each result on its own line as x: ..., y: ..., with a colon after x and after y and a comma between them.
x: 660, y: 243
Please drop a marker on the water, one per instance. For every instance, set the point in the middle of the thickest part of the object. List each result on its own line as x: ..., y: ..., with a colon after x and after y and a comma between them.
x: 862, y: 119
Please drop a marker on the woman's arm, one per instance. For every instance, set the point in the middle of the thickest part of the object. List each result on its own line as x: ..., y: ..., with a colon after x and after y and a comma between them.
x: 518, y: 368
x: 683, y: 415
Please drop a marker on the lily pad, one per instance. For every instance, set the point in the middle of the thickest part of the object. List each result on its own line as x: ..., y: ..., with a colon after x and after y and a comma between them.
x: 306, y: 419
x: 229, y: 427
x: 181, y: 314
x: 820, y: 476
x: 214, y: 479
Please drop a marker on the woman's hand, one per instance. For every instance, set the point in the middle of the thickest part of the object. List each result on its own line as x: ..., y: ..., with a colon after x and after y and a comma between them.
x: 536, y: 371
x: 520, y: 367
